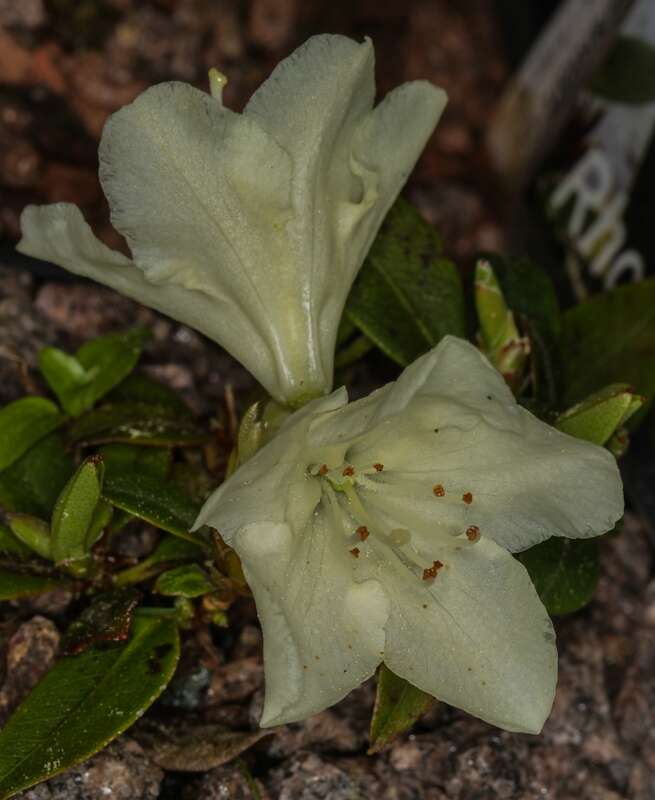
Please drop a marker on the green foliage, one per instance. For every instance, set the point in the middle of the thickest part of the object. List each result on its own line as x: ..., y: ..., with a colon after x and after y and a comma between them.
x: 33, y: 532
x: 628, y: 73
x: 609, y: 339
x: 189, y: 580
x: 564, y: 571
x: 84, y: 702
x: 600, y: 415
x: 79, y: 381
x: 407, y: 296
x: 15, y: 584
x: 398, y: 705
x: 23, y: 423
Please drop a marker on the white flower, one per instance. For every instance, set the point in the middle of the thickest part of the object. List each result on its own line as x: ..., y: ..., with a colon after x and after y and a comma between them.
x: 251, y: 227
x: 381, y: 530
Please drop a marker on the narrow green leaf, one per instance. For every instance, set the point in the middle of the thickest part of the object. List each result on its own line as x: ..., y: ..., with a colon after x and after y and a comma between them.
x: 407, y: 296
x: 159, y: 503
x: 68, y: 379
x: 101, y: 518
x: 10, y: 545
x: 32, y: 532
x: 398, y: 705
x: 84, y: 702
x: 628, y: 73
x: 137, y: 423
x: 33, y: 483
x: 15, y: 584
x: 189, y: 580
x: 169, y: 550
x: 24, y: 422
x: 75, y: 511
x: 609, y: 339
x: 119, y: 458
x: 599, y: 416
x: 564, y: 571
x: 140, y: 388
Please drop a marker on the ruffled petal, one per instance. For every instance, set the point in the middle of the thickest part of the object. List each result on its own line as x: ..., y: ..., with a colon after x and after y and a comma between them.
x: 476, y: 636
x: 451, y: 422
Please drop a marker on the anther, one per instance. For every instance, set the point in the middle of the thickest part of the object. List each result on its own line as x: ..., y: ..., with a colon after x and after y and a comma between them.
x: 429, y: 573
x: 355, y: 552
x: 378, y: 467
x: 438, y: 490
x: 467, y: 497
x: 362, y: 532
x: 323, y: 470
x: 473, y: 533
x: 348, y: 471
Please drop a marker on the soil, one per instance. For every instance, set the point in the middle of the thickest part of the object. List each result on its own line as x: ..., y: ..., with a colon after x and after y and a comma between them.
x: 64, y: 67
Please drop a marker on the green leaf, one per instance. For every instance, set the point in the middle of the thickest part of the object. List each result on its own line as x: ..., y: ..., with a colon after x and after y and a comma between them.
x: 32, y: 532
x: 108, y: 618
x: 137, y: 423
x: 119, y: 458
x: 407, y: 296
x: 33, y: 482
x: 84, y: 702
x: 599, y: 416
x: 609, y: 339
x: 80, y: 381
x: 398, y: 705
x: 75, y: 513
x: 159, y: 503
x: 10, y: 545
x: 140, y: 388
x: 189, y: 580
x: 24, y: 422
x: 628, y: 73
x: 169, y: 550
x: 564, y: 571
x: 15, y: 584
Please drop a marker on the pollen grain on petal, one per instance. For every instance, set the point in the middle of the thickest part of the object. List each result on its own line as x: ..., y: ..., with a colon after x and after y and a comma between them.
x: 355, y: 552
x: 467, y: 497
x: 473, y: 533
x: 348, y: 471
x: 438, y: 490
x: 362, y: 532
x: 429, y: 573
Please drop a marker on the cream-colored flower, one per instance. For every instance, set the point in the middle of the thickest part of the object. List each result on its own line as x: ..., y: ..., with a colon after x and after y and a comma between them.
x: 251, y: 227
x: 381, y: 530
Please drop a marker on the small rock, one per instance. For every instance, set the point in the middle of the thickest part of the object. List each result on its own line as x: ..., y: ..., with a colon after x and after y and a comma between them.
x: 236, y: 680
x: 305, y: 776
x: 31, y: 652
x: 223, y: 783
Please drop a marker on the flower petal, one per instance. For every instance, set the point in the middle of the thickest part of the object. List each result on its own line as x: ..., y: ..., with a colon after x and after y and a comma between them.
x: 323, y: 633
x: 58, y: 233
x: 451, y: 421
x: 476, y: 636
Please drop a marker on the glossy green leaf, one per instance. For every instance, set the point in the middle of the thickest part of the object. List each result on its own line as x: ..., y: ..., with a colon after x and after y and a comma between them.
x: 32, y: 483
x: 75, y: 513
x: 609, y: 339
x: 407, y: 296
x: 32, y: 532
x: 564, y: 571
x: 599, y: 416
x: 170, y: 549
x: 627, y: 75
x: 108, y: 618
x: 79, y: 381
x: 188, y: 580
x: 140, y: 388
x: 84, y: 702
x: 10, y: 545
x: 15, y: 584
x: 137, y: 423
x: 23, y: 423
x: 119, y: 458
x: 398, y: 705
x: 160, y: 503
